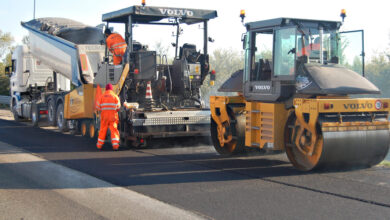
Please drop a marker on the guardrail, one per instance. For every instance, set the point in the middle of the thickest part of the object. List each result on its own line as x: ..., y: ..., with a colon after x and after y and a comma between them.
x: 4, y: 99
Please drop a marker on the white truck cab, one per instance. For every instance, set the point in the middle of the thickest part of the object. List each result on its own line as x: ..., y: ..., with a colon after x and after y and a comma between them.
x: 30, y: 77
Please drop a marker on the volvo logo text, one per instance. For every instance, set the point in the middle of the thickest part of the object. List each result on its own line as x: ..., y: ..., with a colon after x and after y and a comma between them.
x: 176, y: 12
x: 358, y: 106
x: 262, y: 87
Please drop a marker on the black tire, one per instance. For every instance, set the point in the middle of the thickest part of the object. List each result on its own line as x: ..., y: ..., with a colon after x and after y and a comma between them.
x: 92, y: 130
x: 62, y: 123
x: 84, y: 128
x: 51, y: 112
x: 34, y: 115
x: 76, y: 130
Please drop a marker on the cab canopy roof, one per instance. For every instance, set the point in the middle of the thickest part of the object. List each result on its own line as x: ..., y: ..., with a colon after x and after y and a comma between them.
x: 285, y: 22
x: 148, y: 14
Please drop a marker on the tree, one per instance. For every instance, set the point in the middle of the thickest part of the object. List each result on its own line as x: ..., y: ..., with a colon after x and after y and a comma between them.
x: 5, y: 53
x: 344, y: 43
x: 224, y: 62
x: 357, y: 64
x: 378, y: 72
x: 5, y: 43
x: 161, y: 49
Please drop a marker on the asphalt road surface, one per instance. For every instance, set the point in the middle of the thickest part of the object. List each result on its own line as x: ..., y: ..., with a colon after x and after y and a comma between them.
x: 195, y: 178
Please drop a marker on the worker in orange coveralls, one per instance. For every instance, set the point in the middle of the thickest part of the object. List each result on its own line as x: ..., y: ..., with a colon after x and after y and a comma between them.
x: 116, y: 45
x: 109, y: 105
x: 309, y: 48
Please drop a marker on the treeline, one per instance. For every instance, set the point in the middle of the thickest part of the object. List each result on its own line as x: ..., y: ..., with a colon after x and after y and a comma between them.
x: 224, y: 62
x: 378, y: 72
x: 6, y: 41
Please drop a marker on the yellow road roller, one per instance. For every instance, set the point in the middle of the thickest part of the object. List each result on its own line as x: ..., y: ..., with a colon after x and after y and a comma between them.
x: 298, y: 93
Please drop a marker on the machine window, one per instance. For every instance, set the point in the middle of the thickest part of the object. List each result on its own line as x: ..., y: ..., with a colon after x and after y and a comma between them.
x: 14, y: 66
x: 309, y: 44
x: 284, y: 51
x: 261, y: 62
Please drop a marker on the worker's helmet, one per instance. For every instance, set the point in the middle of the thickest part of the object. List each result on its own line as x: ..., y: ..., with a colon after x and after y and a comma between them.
x: 109, y: 86
x: 107, y: 31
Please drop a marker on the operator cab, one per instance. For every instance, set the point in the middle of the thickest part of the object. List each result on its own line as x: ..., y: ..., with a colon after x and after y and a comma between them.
x: 286, y: 56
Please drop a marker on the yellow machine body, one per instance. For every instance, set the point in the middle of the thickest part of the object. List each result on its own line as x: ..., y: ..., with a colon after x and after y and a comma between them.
x: 79, y: 103
x: 265, y: 122
x: 266, y: 126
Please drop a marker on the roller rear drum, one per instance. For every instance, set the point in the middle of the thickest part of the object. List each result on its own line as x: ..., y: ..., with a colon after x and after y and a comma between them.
x: 335, y: 149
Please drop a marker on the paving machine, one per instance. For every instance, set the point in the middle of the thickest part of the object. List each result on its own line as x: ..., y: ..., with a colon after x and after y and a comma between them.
x: 297, y: 99
x: 159, y: 99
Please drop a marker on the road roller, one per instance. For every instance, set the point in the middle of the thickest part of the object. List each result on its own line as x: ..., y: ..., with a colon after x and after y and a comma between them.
x: 301, y: 92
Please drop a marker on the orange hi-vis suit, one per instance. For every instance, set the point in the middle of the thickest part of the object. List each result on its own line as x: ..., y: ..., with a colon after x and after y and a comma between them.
x: 109, y: 105
x: 308, y: 49
x: 117, y: 46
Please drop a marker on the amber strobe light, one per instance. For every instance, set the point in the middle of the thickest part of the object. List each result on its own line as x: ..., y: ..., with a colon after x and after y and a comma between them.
x: 343, y: 14
x: 242, y: 15
x: 143, y: 3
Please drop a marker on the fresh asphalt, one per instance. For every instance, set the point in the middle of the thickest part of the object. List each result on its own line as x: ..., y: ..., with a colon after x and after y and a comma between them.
x: 35, y: 188
x: 195, y: 178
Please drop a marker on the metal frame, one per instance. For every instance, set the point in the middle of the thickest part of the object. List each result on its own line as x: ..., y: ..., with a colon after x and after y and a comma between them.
x: 145, y: 15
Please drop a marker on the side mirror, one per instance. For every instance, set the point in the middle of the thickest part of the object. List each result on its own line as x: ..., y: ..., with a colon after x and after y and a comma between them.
x: 243, y: 39
x: 8, y: 71
x: 211, y: 40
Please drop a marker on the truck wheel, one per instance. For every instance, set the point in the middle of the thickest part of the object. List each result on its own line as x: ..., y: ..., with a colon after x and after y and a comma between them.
x: 92, y: 130
x: 51, y: 113
x: 34, y: 115
x: 84, y: 128
x: 61, y: 121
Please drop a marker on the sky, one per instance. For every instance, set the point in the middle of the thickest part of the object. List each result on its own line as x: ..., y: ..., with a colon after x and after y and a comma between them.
x: 226, y: 30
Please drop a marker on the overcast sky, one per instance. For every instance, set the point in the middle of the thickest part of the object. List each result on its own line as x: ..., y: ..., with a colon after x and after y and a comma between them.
x: 372, y: 16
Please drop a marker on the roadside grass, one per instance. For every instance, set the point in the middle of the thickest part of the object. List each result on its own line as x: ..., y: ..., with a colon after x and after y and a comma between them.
x: 385, y: 163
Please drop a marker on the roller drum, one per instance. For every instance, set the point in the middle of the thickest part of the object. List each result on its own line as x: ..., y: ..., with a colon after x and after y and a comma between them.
x: 354, y: 148
x: 335, y: 149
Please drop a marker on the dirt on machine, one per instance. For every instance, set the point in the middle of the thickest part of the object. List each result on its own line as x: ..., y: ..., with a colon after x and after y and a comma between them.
x: 69, y: 64
x: 297, y: 98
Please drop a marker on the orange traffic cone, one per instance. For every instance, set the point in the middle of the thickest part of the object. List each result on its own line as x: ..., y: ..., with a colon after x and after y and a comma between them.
x: 149, y: 97
x: 148, y: 90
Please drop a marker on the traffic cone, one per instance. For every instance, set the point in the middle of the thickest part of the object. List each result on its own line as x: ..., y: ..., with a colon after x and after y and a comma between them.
x: 149, y: 97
